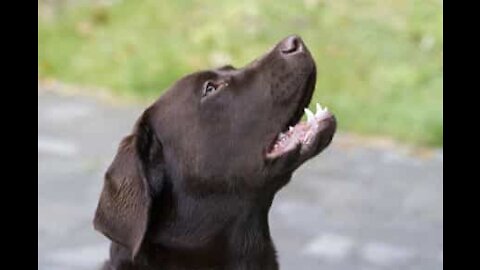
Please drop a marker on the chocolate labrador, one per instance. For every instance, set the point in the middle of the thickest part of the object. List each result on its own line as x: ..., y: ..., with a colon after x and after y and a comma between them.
x: 192, y: 185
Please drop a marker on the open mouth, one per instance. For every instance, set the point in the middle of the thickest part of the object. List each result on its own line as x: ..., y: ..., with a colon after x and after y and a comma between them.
x: 302, y: 134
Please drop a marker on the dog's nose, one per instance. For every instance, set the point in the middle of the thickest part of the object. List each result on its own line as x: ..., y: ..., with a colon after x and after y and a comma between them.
x: 291, y: 44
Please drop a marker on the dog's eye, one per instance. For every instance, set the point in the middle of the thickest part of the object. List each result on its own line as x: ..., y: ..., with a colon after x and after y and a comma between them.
x: 209, y: 88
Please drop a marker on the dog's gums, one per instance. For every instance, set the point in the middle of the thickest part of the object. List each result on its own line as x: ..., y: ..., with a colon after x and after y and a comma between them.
x: 301, y: 133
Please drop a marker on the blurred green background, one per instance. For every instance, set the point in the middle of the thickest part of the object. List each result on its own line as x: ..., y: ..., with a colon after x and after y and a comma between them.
x: 380, y: 62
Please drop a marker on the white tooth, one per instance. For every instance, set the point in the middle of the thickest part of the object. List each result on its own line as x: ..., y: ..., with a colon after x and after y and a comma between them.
x: 319, y: 109
x: 290, y: 128
x: 310, y: 116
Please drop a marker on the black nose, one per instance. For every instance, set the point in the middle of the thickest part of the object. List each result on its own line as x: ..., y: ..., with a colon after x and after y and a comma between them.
x: 291, y: 45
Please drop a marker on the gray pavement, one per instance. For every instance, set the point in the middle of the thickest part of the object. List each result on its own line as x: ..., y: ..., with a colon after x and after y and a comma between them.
x: 356, y: 206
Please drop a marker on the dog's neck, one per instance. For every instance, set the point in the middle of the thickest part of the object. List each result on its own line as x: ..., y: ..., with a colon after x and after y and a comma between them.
x: 217, y: 231
x: 249, y: 247
x: 214, y: 231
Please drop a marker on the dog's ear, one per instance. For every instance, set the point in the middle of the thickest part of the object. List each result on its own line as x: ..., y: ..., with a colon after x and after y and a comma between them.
x: 131, y: 181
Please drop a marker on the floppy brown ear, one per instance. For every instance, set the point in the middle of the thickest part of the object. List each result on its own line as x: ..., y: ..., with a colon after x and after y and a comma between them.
x: 124, y: 207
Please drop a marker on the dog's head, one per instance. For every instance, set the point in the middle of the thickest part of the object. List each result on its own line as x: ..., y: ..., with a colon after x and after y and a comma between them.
x: 218, y: 130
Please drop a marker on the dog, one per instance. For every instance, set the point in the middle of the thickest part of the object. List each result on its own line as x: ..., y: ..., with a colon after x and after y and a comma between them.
x: 192, y: 185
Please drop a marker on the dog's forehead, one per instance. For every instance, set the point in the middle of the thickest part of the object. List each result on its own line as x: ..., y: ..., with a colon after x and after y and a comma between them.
x: 211, y: 74
x: 201, y: 76
x: 226, y: 68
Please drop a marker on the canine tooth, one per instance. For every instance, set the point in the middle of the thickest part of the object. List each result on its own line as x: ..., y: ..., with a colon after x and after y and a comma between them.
x: 290, y: 128
x: 310, y: 116
x: 319, y: 109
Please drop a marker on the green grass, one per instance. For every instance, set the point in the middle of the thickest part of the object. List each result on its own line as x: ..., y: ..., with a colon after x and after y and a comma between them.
x: 379, y: 62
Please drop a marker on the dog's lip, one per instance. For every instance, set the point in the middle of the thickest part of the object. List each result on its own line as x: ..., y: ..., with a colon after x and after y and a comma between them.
x: 305, y: 100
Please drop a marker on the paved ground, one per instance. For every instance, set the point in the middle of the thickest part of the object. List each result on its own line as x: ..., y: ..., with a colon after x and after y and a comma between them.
x: 353, y: 207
